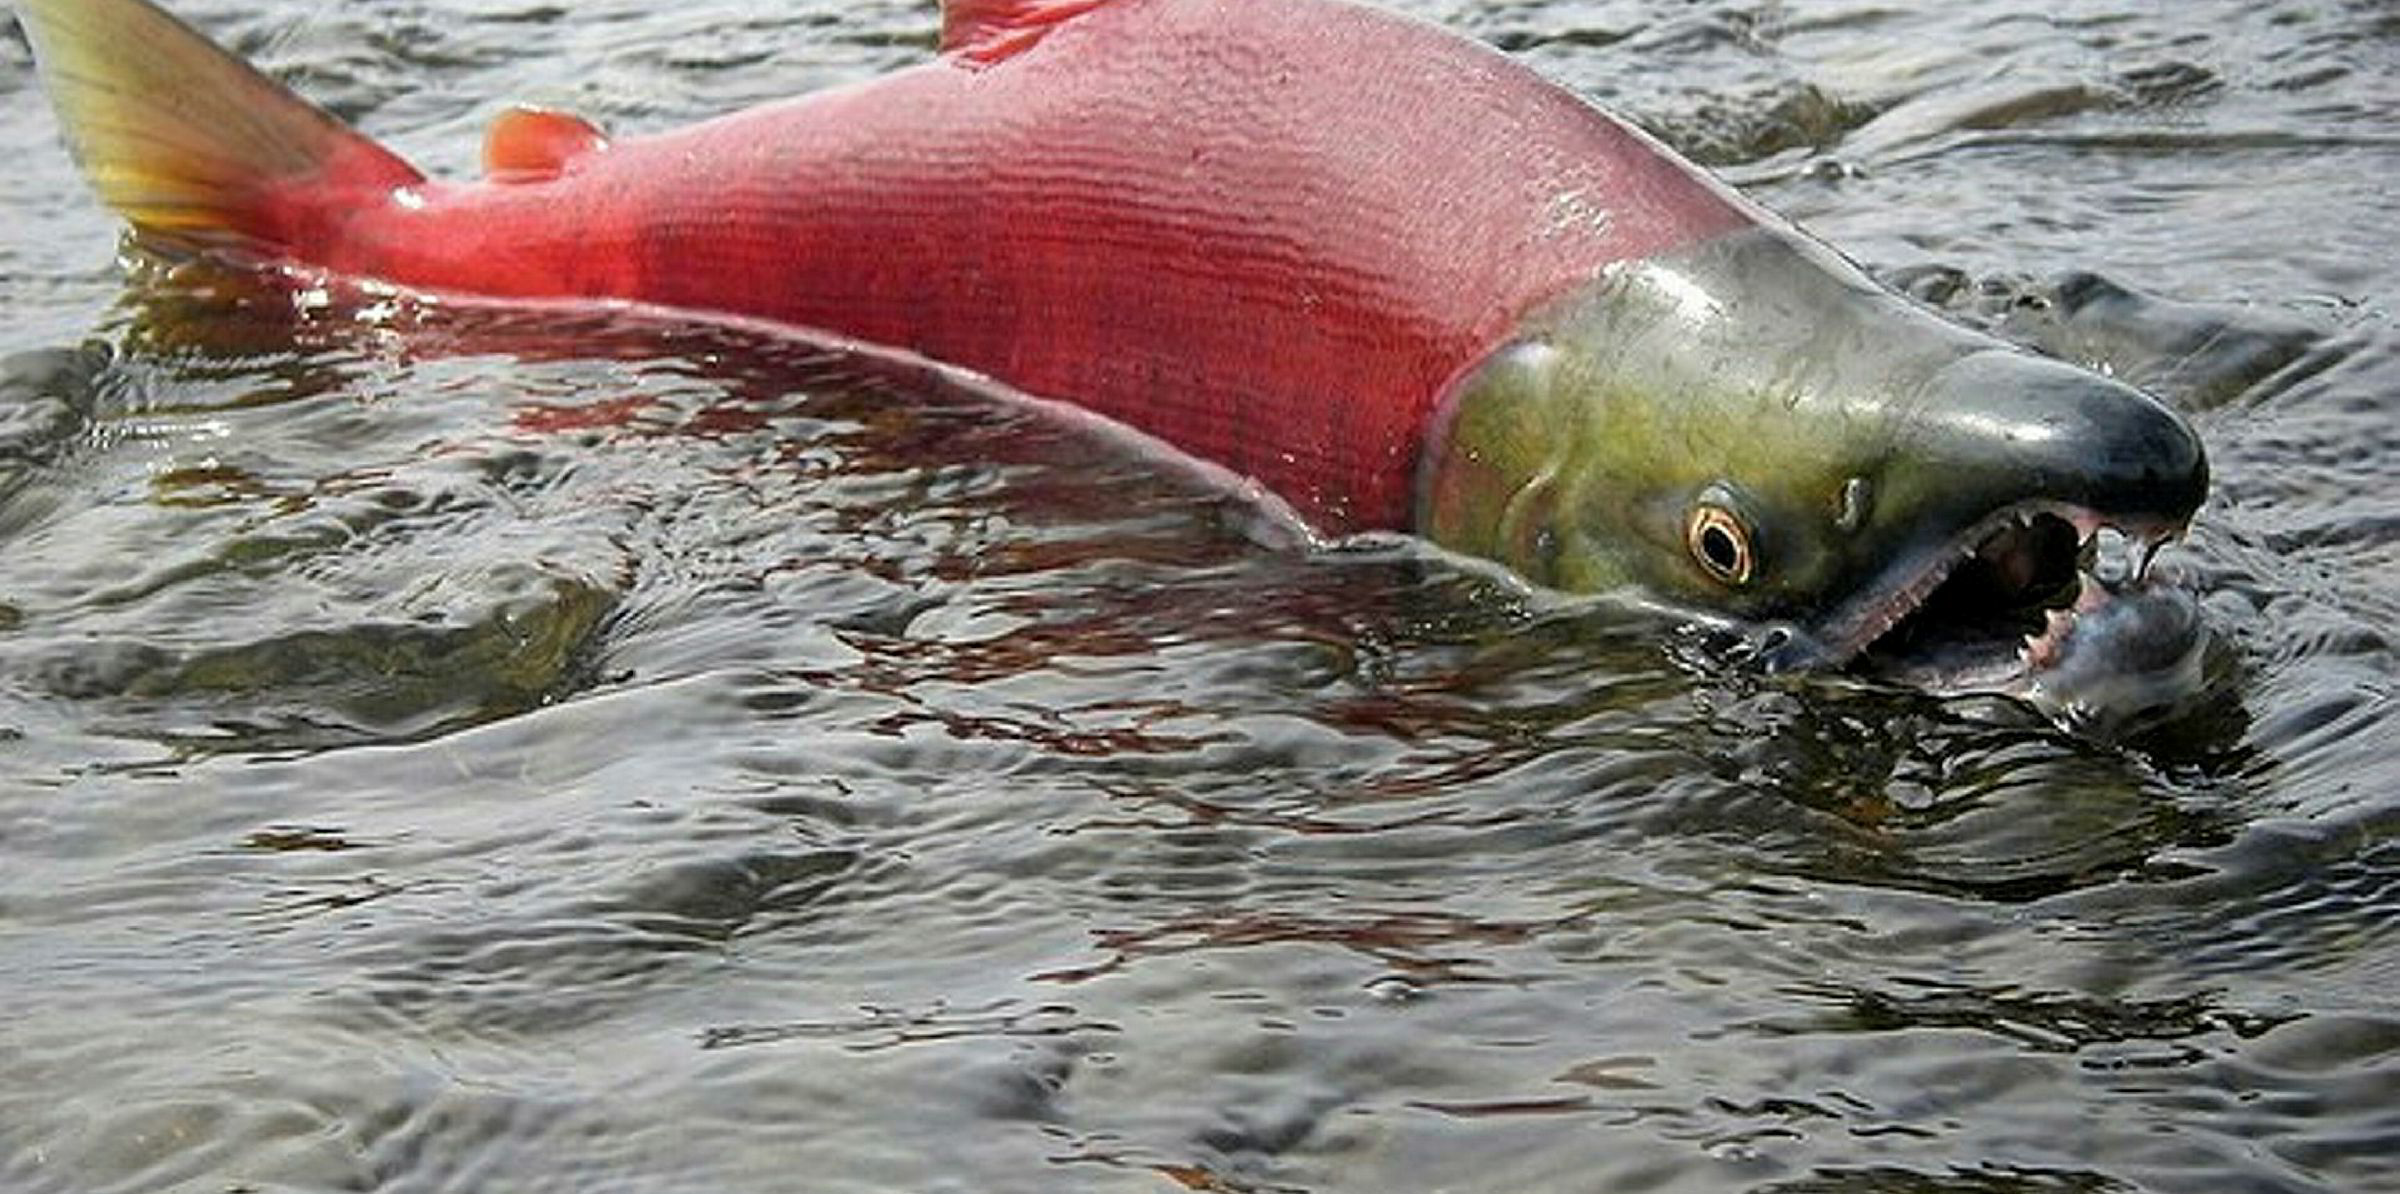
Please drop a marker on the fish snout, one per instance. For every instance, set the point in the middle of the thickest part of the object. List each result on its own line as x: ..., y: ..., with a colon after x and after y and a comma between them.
x: 2032, y: 432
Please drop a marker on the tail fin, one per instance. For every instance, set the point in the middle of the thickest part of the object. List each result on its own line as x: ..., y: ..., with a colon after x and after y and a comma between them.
x: 194, y: 147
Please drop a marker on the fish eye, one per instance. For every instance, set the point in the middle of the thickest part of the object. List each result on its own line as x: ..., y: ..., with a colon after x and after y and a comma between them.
x: 1720, y: 541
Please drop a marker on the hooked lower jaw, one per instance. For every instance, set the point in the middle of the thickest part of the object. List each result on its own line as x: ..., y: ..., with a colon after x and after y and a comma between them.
x: 1998, y: 602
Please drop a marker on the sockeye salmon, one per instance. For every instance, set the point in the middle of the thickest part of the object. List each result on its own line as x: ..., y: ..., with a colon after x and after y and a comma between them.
x: 1388, y: 272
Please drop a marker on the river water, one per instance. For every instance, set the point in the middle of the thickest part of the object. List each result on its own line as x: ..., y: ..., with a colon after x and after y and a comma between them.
x: 445, y: 751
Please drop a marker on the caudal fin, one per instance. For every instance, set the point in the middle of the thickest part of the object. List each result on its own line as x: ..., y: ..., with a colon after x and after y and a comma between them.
x: 194, y: 147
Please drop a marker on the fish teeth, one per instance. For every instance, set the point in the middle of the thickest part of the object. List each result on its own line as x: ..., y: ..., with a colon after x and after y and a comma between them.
x: 2141, y: 567
x: 2111, y: 557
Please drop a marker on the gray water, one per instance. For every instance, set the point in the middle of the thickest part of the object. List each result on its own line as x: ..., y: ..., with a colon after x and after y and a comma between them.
x: 444, y: 751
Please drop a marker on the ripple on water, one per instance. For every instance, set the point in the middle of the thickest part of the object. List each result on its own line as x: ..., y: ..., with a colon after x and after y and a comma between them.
x: 463, y: 749
x: 393, y: 599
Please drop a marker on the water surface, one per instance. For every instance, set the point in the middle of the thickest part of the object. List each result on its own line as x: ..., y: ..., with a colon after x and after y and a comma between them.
x: 467, y: 751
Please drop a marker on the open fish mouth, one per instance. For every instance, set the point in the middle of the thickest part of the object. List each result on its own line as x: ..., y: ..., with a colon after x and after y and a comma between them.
x: 2039, y: 588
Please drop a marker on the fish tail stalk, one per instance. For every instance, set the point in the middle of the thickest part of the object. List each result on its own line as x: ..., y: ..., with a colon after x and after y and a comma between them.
x: 196, y: 149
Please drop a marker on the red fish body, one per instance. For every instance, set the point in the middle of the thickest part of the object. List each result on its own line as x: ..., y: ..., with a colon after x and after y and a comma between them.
x: 1386, y: 272
x: 1267, y: 233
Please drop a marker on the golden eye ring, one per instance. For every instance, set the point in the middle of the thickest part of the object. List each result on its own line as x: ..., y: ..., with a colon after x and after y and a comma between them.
x: 1720, y: 543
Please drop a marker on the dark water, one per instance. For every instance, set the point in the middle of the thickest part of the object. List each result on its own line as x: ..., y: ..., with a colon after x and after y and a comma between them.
x: 478, y: 752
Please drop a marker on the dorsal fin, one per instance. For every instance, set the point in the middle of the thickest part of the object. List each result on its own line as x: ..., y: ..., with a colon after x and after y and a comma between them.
x: 528, y: 144
x: 987, y: 31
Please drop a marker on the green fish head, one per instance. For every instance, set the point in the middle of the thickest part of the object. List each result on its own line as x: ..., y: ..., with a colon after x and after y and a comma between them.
x: 1753, y: 433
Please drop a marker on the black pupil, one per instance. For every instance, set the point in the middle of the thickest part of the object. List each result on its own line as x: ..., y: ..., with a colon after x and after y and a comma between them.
x: 1723, y: 553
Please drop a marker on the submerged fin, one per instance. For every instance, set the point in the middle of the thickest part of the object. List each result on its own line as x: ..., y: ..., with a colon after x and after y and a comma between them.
x: 987, y: 31
x: 528, y: 144
x: 193, y: 146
